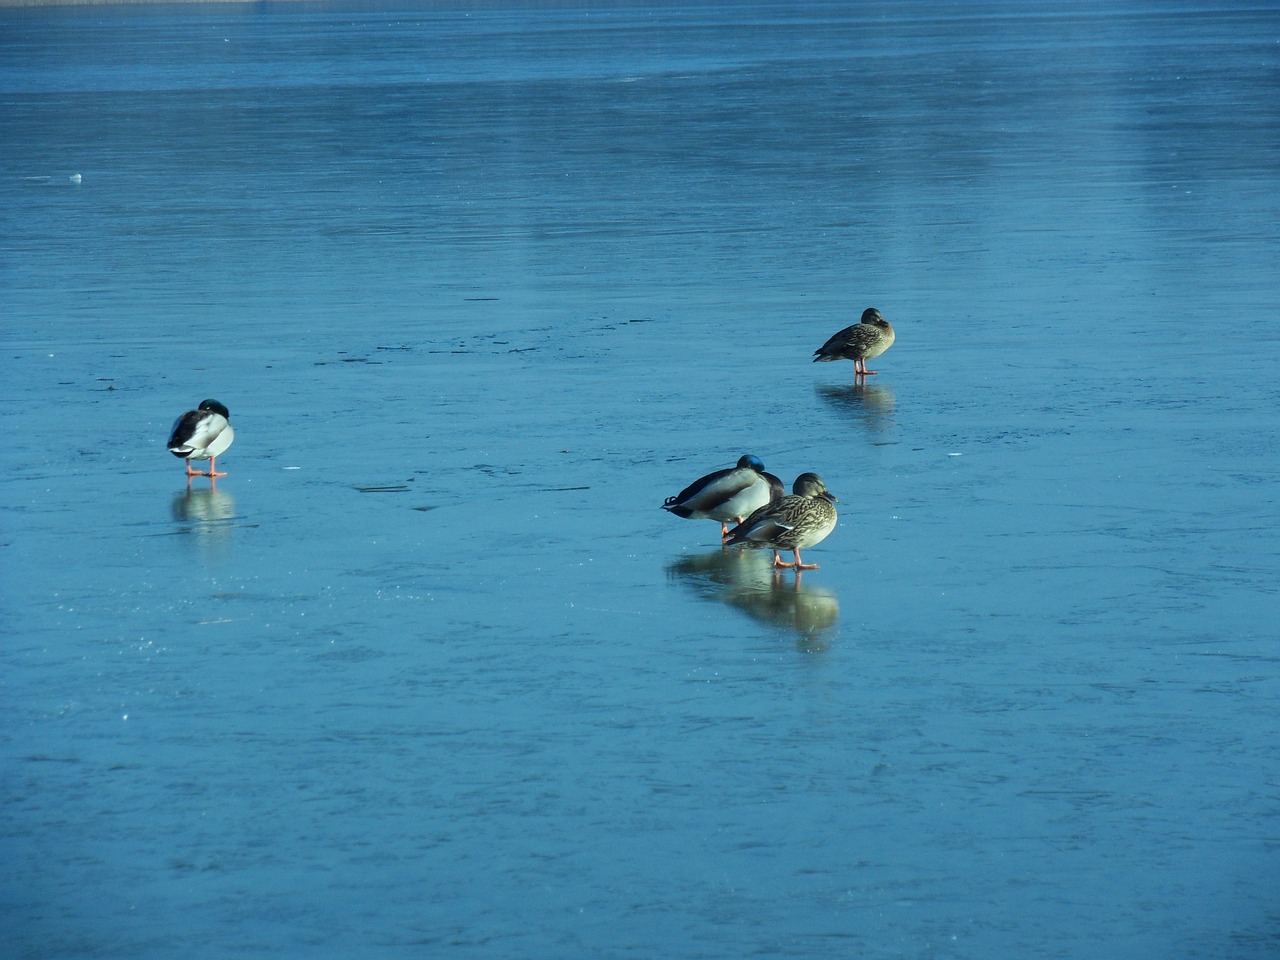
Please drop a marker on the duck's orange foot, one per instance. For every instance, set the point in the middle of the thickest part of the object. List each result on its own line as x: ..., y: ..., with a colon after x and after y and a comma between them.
x: 797, y: 565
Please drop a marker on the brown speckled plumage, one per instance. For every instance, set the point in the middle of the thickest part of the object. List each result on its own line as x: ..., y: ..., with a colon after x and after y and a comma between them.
x: 861, y: 342
x: 793, y: 523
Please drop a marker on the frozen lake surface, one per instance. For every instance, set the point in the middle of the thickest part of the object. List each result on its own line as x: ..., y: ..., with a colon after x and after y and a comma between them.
x: 429, y: 673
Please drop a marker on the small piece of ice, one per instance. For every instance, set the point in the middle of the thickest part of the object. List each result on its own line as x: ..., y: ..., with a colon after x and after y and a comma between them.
x: 75, y: 178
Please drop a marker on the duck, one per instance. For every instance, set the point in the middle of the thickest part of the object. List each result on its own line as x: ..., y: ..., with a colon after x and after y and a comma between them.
x: 727, y: 495
x: 202, y: 434
x: 863, y: 341
x: 795, y: 523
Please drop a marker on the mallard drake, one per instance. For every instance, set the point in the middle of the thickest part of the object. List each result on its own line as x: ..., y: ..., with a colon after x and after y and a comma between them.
x: 793, y: 523
x: 202, y: 434
x: 861, y: 342
x: 727, y: 494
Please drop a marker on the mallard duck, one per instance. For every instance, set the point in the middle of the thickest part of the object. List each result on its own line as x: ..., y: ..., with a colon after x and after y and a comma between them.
x: 202, y: 434
x: 793, y: 523
x: 863, y: 341
x: 727, y: 494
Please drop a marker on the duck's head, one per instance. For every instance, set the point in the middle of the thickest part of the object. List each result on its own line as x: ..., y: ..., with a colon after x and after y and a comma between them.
x: 752, y: 462
x: 213, y: 406
x: 811, y: 485
x: 872, y: 315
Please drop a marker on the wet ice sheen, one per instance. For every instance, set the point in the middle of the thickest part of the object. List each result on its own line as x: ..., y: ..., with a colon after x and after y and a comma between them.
x: 430, y: 671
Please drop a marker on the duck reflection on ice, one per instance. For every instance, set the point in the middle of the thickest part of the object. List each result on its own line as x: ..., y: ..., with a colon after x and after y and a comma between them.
x: 205, y: 513
x: 871, y: 406
x: 747, y: 580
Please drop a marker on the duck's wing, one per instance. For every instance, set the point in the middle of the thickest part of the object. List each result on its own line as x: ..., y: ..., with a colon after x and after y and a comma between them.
x: 831, y: 349
x: 184, y: 428
x: 710, y: 491
x: 765, y: 530
x: 767, y: 524
x: 199, y: 430
x: 862, y: 337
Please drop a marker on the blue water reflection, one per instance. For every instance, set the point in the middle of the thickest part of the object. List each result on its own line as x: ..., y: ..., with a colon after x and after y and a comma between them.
x: 429, y: 673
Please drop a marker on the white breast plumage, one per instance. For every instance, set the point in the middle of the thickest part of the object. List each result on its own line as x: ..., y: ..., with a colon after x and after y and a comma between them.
x: 202, y: 434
